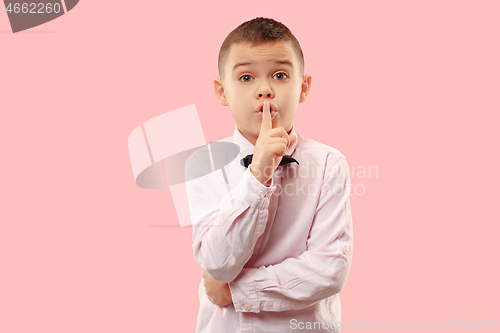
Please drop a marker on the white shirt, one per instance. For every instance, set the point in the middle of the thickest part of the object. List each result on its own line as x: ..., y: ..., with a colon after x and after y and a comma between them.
x: 285, y: 250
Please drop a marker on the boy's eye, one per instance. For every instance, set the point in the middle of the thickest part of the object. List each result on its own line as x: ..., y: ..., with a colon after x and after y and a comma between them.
x: 245, y: 78
x: 280, y: 76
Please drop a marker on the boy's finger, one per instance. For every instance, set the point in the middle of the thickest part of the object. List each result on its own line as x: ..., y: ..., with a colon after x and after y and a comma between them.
x: 266, y: 118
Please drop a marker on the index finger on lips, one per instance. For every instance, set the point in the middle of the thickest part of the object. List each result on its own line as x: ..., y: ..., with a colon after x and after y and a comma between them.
x: 267, y: 124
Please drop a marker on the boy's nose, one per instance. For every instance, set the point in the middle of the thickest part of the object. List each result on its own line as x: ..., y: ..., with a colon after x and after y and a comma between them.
x: 266, y: 91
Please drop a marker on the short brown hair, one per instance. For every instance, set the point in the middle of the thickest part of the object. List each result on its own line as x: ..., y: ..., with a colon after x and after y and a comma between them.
x: 257, y: 31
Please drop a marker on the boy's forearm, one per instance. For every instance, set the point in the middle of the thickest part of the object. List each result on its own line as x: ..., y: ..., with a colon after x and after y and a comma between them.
x: 270, y: 289
x: 317, y: 273
x: 224, y: 240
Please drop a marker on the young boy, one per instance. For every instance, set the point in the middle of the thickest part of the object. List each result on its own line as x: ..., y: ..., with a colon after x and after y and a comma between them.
x: 274, y: 241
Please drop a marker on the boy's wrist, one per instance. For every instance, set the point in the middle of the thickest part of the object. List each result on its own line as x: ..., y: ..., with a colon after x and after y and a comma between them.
x: 258, y: 176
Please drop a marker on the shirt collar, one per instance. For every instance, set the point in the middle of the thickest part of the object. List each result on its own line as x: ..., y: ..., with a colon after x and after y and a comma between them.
x: 246, y: 147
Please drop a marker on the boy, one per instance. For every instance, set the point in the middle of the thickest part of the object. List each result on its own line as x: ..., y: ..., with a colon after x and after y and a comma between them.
x: 274, y: 241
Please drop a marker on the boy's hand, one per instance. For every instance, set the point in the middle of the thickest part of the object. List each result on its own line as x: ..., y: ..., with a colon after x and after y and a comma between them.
x: 270, y: 147
x: 217, y: 292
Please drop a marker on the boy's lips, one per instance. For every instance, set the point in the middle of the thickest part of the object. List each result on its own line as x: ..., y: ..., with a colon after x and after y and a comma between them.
x: 260, y: 115
x: 273, y: 110
x: 261, y: 106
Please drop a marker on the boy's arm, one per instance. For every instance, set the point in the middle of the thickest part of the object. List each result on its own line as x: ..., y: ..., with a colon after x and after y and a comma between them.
x: 226, y: 225
x: 319, y: 272
x: 225, y: 235
x: 217, y: 292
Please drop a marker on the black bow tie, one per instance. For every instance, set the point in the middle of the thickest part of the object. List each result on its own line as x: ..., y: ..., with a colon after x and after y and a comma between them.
x: 245, y: 161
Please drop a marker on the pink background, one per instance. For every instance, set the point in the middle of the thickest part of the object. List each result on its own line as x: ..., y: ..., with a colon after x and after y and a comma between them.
x: 411, y: 88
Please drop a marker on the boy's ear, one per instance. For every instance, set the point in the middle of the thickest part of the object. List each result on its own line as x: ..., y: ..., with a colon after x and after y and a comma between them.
x: 306, y: 85
x: 219, y: 92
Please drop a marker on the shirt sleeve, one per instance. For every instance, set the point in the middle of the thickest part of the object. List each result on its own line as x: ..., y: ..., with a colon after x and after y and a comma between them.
x: 321, y: 271
x: 227, y: 224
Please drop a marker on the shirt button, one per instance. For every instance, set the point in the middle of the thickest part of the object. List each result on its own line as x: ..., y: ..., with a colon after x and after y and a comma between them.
x: 246, y: 307
x: 346, y: 249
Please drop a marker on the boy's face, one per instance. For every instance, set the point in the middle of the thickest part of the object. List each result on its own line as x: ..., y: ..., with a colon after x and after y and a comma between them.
x: 255, y: 74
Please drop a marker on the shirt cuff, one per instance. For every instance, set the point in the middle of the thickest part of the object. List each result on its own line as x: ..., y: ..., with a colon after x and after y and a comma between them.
x: 269, y: 183
x: 252, y: 191
x: 244, y: 293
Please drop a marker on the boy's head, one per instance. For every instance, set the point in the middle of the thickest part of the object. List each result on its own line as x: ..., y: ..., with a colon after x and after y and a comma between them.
x: 261, y: 61
x: 259, y: 31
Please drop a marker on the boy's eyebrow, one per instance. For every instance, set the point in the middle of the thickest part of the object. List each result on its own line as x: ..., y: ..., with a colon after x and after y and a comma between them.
x: 245, y: 63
